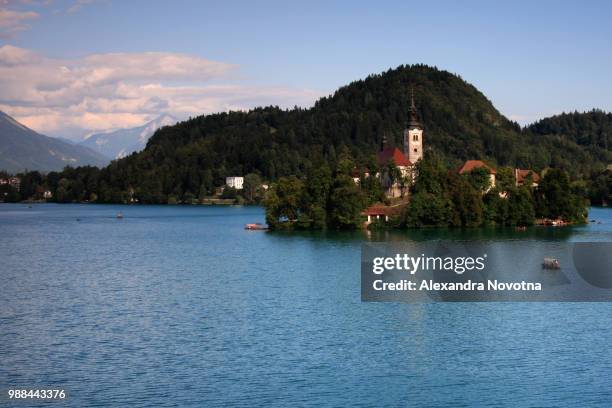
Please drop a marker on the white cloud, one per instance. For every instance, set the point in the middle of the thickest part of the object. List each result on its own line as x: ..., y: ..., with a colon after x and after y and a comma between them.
x: 106, y: 91
x: 78, y: 4
x: 13, y: 21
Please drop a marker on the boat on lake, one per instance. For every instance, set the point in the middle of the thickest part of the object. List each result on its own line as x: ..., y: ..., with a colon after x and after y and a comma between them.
x: 551, y: 263
x: 255, y: 227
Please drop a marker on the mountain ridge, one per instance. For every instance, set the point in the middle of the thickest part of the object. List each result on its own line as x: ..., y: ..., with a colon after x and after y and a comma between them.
x: 120, y: 143
x: 22, y: 148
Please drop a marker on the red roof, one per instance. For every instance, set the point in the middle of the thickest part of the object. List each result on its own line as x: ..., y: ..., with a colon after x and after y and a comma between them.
x: 521, y: 175
x: 378, y: 209
x: 392, y: 153
x: 470, y: 165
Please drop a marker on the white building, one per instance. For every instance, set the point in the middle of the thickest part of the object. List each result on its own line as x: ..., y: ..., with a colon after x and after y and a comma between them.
x: 234, y: 182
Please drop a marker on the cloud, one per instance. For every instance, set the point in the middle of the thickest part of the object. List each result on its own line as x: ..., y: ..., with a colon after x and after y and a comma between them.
x: 116, y: 90
x: 13, y: 21
x: 77, y: 5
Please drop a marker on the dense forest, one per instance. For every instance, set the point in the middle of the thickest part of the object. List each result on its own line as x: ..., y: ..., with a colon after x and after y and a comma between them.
x: 190, y: 160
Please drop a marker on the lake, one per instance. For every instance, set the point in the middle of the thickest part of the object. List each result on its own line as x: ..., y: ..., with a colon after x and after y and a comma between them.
x: 180, y: 306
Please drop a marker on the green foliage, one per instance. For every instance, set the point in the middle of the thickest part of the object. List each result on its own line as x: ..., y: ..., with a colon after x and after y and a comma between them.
x: 496, y: 207
x: 557, y: 199
x: 442, y: 198
x: 229, y: 193
x: 428, y: 210
x: 9, y: 194
x: 322, y: 200
x: 192, y: 158
x: 600, y: 189
x: 460, y: 124
x: 521, y: 210
x: 345, y: 203
x: 504, y: 179
x: 252, y: 187
x: 468, y: 208
x: 479, y: 178
x: 283, y: 201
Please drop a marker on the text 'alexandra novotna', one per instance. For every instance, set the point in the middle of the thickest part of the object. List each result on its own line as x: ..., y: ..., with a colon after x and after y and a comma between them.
x: 430, y: 285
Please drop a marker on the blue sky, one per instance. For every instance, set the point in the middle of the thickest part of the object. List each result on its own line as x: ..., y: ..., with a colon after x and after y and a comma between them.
x: 532, y: 59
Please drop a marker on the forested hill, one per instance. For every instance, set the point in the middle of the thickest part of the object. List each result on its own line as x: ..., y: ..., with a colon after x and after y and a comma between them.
x: 193, y: 157
x: 592, y: 129
x: 459, y: 122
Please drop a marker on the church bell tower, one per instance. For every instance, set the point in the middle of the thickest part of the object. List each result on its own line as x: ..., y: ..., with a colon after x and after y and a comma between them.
x: 413, y: 135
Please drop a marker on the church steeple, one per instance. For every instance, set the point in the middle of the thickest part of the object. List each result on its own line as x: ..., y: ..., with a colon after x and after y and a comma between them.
x: 414, y: 116
x: 413, y: 134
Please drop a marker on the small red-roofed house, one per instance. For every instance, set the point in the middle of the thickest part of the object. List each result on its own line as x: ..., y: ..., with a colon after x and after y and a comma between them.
x: 471, y: 165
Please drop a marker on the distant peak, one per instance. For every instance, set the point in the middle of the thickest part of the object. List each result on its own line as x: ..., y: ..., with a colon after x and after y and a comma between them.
x: 165, y: 119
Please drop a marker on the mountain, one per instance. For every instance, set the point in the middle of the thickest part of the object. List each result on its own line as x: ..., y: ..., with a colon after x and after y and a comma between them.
x: 22, y: 148
x: 123, y: 142
x: 193, y: 157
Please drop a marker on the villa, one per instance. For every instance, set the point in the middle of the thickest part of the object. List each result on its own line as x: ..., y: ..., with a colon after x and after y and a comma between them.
x: 234, y: 182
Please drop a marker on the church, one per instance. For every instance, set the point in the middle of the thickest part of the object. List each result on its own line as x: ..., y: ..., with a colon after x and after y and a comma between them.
x: 397, y: 185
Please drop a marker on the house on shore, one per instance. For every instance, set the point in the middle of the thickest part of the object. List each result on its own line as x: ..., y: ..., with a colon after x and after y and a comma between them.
x: 380, y: 212
x: 234, y: 182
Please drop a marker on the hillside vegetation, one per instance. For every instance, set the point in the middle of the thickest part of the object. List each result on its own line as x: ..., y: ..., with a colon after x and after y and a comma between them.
x: 191, y: 158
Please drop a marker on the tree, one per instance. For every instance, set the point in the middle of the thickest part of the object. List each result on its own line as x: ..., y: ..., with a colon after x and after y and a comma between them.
x: 504, y: 179
x: 345, y: 203
x: 600, y: 190
x: 479, y: 178
x: 252, y: 186
x: 467, y: 202
x: 229, y: 193
x: 556, y: 198
x: 496, y: 207
x: 520, y: 206
x: 428, y: 210
x: 283, y: 201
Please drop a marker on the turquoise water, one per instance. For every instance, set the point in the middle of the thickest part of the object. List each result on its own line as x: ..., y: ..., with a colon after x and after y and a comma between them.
x: 179, y: 306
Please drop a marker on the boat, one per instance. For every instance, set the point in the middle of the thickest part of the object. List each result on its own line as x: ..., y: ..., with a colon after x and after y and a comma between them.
x: 255, y: 227
x: 119, y: 215
x: 551, y: 263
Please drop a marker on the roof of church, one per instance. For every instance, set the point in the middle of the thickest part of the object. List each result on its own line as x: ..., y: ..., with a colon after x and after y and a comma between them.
x: 470, y: 165
x: 392, y: 153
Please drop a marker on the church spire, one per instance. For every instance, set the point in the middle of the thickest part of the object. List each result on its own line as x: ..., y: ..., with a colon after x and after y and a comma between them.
x: 414, y: 116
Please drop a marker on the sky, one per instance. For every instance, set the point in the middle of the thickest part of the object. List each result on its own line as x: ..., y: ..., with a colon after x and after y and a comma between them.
x: 73, y: 67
